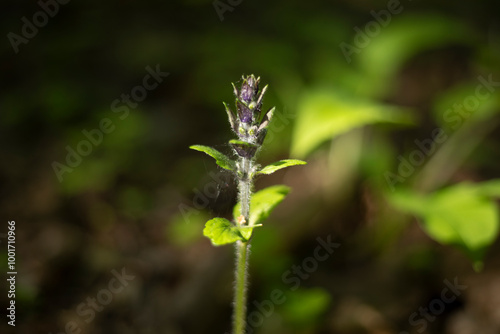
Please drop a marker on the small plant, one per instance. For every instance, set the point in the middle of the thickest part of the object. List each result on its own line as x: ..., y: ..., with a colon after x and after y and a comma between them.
x: 252, y: 209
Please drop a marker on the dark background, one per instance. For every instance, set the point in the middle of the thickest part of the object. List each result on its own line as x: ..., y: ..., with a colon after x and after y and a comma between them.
x: 134, y: 201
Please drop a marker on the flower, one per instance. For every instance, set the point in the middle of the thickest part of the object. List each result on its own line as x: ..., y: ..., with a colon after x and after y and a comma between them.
x: 249, y: 88
x: 249, y: 126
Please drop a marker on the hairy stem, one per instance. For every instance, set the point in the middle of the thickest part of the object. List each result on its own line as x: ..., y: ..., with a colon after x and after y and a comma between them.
x: 244, y: 187
x: 240, y: 295
x: 242, y: 248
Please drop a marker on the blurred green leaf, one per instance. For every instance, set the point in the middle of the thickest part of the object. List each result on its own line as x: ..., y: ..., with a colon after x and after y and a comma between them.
x: 462, y: 215
x: 134, y: 202
x: 323, y: 115
x: 263, y: 202
x: 93, y: 173
x: 269, y: 169
x: 126, y: 134
x: 377, y: 157
x: 220, y: 159
x: 303, y: 307
x: 453, y: 107
x: 406, y: 36
x: 184, y: 228
x: 268, y: 254
x: 108, y: 151
x: 221, y: 232
x: 61, y: 100
x: 489, y: 188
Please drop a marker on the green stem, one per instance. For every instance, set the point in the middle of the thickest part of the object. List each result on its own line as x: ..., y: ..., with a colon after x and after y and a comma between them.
x: 240, y: 295
x: 242, y: 249
x: 244, y: 187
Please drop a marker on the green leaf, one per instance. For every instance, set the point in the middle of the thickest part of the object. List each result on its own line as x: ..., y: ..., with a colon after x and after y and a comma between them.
x: 489, y: 188
x: 485, y: 109
x: 263, y: 202
x: 220, y: 159
x: 246, y: 231
x: 459, y: 215
x: 269, y: 169
x: 184, y: 228
x: 323, y: 115
x: 243, y: 143
x: 221, y: 232
x: 404, y: 38
x: 303, y: 307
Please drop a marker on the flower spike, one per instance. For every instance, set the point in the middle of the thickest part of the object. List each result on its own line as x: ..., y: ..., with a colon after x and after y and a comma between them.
x: 246, y: 122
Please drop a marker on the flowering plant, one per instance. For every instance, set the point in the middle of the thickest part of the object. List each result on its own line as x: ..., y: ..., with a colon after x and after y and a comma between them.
x: 251, y: 128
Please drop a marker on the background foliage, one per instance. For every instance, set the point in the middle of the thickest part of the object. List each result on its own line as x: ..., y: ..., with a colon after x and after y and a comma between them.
x: 140, y: 198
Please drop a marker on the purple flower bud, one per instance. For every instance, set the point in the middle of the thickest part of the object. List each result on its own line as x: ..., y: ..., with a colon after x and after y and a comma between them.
x: 244, y: 112
x: 249, y: 89
x: 247, y: 123
x: 248, y: 101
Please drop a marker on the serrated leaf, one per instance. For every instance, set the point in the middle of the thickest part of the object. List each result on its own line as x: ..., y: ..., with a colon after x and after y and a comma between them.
x: 221, y: 232
x: 220, y: 159
x: 263, y: 202
x: 459, y: 215
x: 269, y: 169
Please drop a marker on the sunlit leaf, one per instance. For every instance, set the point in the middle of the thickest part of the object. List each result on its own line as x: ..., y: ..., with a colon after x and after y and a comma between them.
x: 324, y: 115
x: 220, y: 159
x: 269, y: 169
x: 263, y: 202
x: 221, y: 232
x: 462, y: 215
